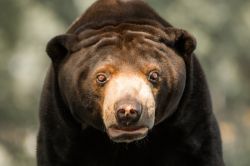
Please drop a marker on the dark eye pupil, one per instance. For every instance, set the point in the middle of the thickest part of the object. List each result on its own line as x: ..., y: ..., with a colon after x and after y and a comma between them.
x: 101, y: 78
x: 153, y: 76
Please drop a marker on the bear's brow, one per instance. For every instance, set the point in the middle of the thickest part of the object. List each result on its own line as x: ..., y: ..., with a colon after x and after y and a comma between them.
x: 113, y: 34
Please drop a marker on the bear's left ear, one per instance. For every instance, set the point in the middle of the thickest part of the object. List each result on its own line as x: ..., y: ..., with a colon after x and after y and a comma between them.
x: 60, y: 46
x: 180, y: 40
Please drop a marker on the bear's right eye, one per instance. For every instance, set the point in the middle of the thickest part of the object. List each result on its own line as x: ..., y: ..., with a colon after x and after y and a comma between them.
x: 101, y: 78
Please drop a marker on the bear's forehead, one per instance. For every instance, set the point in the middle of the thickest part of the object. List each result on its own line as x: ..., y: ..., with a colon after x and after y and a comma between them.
x: 122, y: 35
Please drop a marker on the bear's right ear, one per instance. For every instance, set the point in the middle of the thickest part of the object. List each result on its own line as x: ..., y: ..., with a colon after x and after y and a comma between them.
x: 60, y: 46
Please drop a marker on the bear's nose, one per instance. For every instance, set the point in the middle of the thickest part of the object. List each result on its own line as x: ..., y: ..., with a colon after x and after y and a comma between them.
x: 128, y: 112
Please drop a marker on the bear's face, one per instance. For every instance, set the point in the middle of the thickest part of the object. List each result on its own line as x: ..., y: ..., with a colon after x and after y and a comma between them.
x: 124, y: 83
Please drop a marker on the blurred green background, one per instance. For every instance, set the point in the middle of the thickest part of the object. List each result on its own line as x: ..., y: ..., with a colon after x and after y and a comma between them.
x: 222, y: 29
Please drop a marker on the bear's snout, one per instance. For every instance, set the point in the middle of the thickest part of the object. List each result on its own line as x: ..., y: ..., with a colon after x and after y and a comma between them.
x: 128, y: 108
x: 128, y: 112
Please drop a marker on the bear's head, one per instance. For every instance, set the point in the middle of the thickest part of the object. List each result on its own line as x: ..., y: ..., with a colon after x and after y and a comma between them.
x: 122, y: 79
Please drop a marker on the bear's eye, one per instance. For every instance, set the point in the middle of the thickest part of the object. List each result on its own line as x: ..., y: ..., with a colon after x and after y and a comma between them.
x: 101, y: 78
x: 153, y: 76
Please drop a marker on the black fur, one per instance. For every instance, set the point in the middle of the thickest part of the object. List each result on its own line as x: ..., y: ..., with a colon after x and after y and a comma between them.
x: 188, y: 137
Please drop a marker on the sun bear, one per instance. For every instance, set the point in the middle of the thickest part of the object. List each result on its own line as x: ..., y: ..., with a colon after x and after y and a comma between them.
x: 125, y: 88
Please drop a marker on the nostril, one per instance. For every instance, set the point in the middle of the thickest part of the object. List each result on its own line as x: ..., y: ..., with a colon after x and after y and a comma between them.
x: 132, y: 111
x: 128, y: 112
x: 122, y: 111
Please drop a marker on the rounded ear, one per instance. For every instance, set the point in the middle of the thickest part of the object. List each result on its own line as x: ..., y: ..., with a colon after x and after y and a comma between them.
x: 60, y: 46
x: 181, y: 41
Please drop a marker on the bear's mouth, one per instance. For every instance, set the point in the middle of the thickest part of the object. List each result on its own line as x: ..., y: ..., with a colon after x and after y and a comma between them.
x: 127, y: 134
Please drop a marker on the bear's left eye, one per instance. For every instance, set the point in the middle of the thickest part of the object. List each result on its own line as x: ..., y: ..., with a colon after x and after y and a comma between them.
x: 153, y: 76
x: 101, y: 78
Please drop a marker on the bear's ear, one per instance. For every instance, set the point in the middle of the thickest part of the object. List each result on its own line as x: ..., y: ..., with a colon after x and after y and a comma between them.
x: 60, y: 46
x: 183, y: 42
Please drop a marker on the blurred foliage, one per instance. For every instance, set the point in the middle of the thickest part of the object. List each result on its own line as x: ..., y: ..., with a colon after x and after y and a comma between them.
x: 220, y: 26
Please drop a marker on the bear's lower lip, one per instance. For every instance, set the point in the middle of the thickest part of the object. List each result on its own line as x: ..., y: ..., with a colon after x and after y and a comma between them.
x: 127, y: 134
